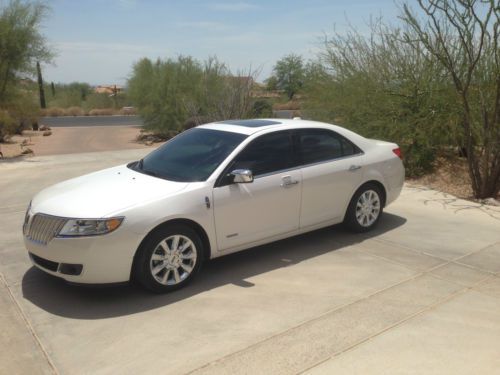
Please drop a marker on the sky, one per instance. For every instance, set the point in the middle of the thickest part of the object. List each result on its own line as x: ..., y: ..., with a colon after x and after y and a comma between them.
x: 98, y: 41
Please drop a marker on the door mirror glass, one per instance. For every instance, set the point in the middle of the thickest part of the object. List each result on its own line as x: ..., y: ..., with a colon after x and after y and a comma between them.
x: 242, y: 176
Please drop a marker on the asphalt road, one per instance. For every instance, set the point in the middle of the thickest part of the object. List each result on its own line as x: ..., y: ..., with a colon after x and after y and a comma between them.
x: 75, y: 121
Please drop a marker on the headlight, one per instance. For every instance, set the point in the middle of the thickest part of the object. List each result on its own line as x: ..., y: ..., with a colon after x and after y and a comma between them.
x: 89, y: 227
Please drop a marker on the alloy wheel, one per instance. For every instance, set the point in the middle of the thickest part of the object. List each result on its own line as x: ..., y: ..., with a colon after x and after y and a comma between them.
x: 173, y: 260
x: 368, y: 208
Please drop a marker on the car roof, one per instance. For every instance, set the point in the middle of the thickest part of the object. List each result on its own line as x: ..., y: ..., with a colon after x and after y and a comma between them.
x: 249, y: 127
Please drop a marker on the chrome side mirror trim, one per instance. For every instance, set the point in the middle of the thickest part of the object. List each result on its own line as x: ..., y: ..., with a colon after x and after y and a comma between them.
x: 242, y: 176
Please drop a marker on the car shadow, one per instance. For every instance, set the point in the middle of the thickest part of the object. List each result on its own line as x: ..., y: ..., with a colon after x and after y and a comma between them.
x: 78, y: 302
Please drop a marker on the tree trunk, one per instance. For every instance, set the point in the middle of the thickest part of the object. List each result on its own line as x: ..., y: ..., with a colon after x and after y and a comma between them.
x: 40, y: 86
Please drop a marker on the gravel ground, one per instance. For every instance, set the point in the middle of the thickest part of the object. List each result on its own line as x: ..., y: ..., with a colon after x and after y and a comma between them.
x: 75, y: 140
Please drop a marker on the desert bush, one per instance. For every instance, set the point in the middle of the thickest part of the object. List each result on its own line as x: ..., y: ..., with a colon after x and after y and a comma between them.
x: 262, y: 108
x: 96, y: 101
x: 102, y: 112
x: 74, y: 111
x: 127, y: 111
x: 53, y: 112
x: 290, y: 105
x: 384, y: 88
x: 168, y: 92
x: 8, y: 125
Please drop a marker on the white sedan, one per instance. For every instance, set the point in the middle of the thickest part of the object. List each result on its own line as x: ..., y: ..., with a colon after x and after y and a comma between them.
x: 210, y: 191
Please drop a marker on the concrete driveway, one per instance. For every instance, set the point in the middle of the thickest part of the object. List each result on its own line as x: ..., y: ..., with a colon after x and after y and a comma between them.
x: 419, y: 295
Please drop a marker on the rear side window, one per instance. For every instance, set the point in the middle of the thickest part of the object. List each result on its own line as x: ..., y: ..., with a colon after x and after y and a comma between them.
x: 266, y: 154
x: 317, y: 145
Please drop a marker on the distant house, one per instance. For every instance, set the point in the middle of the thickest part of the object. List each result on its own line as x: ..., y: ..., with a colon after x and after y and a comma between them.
x: 108, y: 89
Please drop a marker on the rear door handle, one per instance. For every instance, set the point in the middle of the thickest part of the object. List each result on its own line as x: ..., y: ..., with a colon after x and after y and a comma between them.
x: 287, y: 181
x: 353, y: 168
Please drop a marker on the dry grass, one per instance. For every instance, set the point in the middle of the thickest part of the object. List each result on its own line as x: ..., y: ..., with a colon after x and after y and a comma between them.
x: 127, y: 111
x: 75, y: 111
x: 450, y: 176
x: 103, y: 112
x: 291, y: 105
x: 78, y: 111
x: 53, y: 112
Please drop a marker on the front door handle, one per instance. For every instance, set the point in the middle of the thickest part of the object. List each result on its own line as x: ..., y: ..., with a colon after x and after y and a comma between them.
x: 287, y: 181
x: 353, y: 168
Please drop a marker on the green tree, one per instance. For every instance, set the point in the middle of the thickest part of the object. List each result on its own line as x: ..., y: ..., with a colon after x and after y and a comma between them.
x: 21, y: 43
x: 383, y: 88
x: 168, y: 93
x: 464, y: 39
x: 288, y: 74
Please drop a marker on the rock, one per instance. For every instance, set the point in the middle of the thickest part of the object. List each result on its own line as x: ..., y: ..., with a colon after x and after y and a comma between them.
x: 47, y: 133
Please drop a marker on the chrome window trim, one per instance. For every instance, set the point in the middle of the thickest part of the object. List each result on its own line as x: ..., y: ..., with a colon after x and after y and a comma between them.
x: 302, y: 166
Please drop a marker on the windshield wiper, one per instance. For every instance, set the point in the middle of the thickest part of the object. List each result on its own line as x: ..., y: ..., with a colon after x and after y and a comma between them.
x: 140, y: 164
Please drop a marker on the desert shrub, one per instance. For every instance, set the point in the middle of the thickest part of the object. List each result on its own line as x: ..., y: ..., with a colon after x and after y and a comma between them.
x: 53, y: 112
x: 74, y: 111
x: 262, y: 108
x: 128, y: 111
x: 102, y: 112
x: 8, y: 124
x: 290, y: 105
x: 383, y: 88
x: 96, y: 101
x: 168, y: 92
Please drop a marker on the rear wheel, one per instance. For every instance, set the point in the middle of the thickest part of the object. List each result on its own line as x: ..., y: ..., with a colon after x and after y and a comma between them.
x: 365, y: 208
x: 169, y: 258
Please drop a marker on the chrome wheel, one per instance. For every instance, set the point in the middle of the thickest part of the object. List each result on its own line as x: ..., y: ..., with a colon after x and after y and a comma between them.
x: 368, y: 208
x: 173, y: 260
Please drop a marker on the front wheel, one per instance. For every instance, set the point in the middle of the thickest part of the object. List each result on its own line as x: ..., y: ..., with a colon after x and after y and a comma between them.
x: 365, y: 209
x: 168, y: 259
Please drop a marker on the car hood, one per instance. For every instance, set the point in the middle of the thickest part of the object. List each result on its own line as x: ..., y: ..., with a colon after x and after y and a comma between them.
x: 103, y: 193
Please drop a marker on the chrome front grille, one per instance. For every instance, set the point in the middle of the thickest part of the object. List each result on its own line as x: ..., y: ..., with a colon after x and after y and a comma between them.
x: 43, y: 228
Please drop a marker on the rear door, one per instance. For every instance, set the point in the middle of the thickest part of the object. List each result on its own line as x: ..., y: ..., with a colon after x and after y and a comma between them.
x: 331, y: 171
x: 268, y: 206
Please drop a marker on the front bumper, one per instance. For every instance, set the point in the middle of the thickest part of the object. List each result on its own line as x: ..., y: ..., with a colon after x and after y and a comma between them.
x: 88, y: 260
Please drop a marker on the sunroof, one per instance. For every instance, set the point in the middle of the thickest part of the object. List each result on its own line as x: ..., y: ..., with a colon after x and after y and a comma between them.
x: 250, y: 123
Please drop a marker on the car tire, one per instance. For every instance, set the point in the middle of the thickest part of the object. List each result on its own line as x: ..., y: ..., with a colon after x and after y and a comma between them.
x: 365, y: 209
x: 168, y: 259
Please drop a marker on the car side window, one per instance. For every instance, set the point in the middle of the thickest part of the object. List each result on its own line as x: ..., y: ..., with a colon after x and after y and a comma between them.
x: 266, y: 154
x: 317, y: 145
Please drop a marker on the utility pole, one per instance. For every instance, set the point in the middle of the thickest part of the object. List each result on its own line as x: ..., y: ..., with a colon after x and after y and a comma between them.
x: 40, y: 85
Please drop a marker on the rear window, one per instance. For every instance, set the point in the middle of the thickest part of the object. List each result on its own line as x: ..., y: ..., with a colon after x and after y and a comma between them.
x: 317, y: 145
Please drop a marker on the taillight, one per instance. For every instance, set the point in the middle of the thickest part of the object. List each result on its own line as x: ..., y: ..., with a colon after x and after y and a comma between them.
x: 398, y: 152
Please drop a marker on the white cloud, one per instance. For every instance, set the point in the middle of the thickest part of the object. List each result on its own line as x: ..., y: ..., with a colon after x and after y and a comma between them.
x: 233, y: 7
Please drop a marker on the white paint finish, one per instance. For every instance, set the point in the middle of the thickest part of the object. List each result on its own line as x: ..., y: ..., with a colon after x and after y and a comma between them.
x: 101, y: 193
x: 328, y: 188
x: 244, y: 215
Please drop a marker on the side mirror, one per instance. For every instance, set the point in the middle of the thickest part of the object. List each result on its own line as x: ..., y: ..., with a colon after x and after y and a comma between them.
x: 242, y: 176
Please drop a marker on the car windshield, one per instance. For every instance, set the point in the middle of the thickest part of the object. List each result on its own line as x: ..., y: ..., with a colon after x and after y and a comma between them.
x: 191, y: 156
